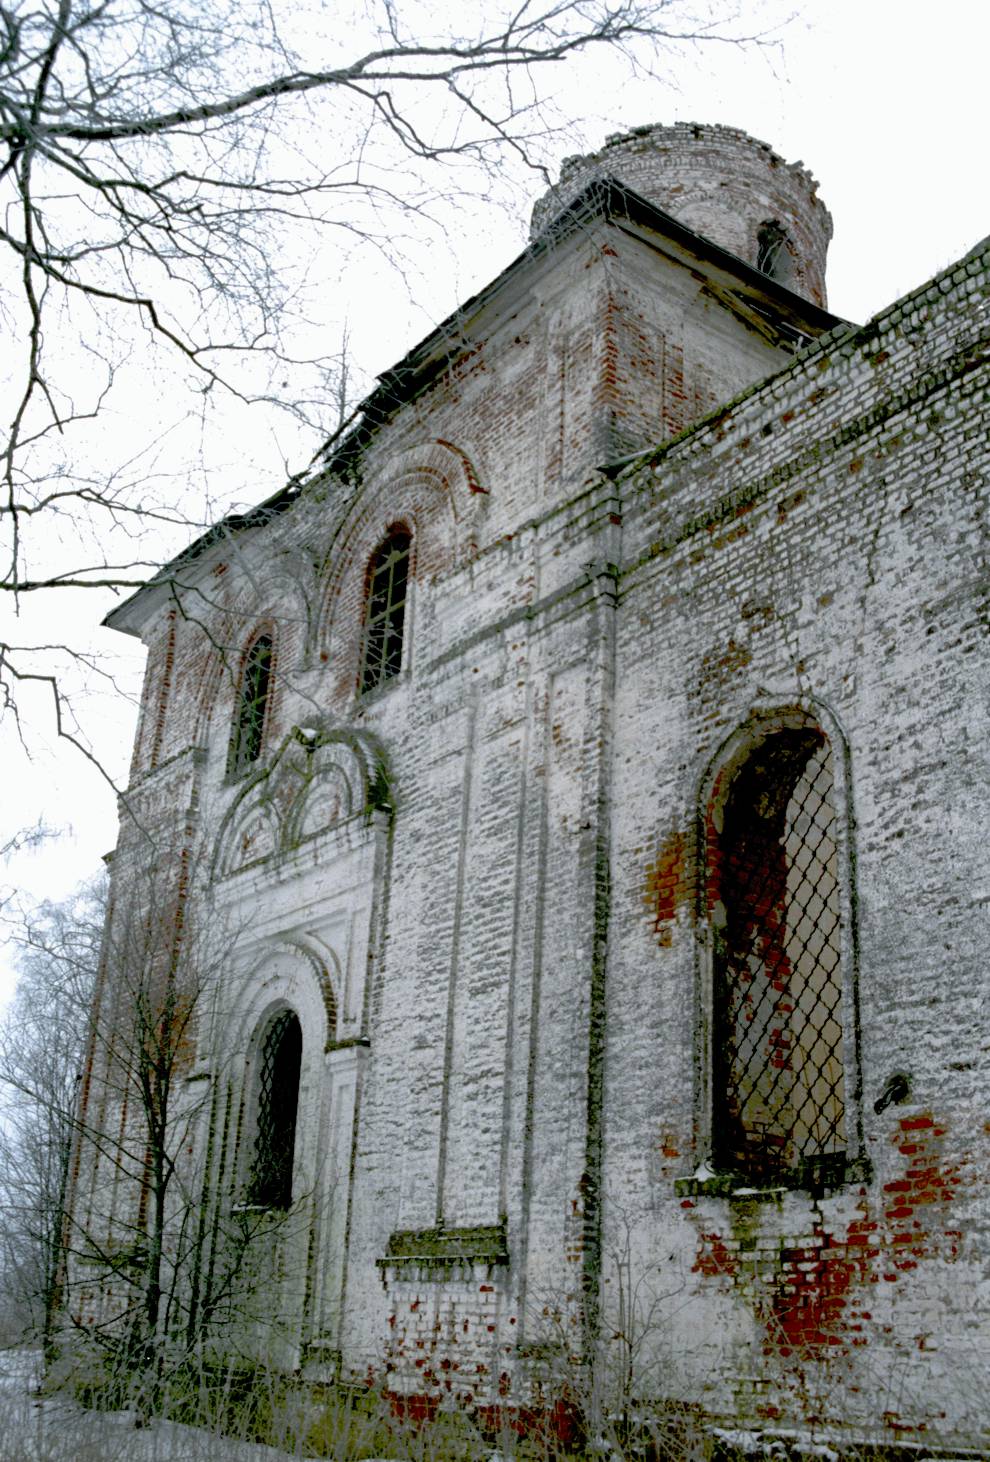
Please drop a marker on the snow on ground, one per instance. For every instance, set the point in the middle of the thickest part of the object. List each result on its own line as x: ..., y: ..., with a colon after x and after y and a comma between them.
x: 58, y: 1430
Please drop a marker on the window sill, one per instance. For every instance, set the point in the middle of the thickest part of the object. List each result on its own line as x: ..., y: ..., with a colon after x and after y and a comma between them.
x: 375, y: 693
x: 816, y: 1176
x: 436, y: 1251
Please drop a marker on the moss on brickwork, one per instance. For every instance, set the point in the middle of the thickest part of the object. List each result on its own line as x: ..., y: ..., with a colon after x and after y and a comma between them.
x: 490, y: 888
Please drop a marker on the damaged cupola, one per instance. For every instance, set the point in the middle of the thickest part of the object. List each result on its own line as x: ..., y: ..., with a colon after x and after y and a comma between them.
x: 721, y: 183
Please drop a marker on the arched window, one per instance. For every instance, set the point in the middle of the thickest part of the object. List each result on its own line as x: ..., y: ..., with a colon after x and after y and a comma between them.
x: 773, y: 251
x: 249, y: 720
x: 276, y: 1104
x: 775, y: 900
x: 385, y: 609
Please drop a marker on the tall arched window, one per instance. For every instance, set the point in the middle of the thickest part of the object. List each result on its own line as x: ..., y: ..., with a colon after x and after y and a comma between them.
x: 248, y: 729
x: 276, y: 1105
x: 776, y: 907
x: 385, y: 609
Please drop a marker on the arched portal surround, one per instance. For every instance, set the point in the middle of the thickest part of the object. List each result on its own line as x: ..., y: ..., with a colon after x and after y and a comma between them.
x: 275, y: 1177
x: 289, y: 992
x: 780, y: 1081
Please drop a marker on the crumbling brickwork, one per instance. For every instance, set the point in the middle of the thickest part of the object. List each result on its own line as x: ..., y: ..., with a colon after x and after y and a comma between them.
x: 807, y: 548
x: 717, y: 181
x: 657, y: 510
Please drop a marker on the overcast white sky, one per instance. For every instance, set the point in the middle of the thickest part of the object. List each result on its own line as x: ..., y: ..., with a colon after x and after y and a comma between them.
x: 884, y: 101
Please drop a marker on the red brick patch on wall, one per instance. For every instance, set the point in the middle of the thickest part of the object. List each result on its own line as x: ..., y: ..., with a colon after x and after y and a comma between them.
x: 812, y: 1293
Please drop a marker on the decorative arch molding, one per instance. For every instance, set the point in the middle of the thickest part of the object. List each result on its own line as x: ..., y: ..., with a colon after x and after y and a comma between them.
x: 289, y: 972
x: 328, y: 975
x: 318, y: 779
x: 230, y: 633
x: 448, y: 465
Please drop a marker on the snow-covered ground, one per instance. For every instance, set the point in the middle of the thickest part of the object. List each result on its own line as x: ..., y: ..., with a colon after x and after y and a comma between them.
x: 57, y: 1430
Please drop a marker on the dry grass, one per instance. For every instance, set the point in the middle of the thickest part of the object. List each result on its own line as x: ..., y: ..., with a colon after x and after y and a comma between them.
x: 238, y: 1415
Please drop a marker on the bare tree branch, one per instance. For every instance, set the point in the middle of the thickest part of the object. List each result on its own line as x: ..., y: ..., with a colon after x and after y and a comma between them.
x: 168, y: 174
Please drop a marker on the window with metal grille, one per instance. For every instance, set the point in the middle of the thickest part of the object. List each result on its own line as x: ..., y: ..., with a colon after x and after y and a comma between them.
x: 385, y: 609
x: 249, y: 722
x: 277, y: 1101
x: 778, y: 1079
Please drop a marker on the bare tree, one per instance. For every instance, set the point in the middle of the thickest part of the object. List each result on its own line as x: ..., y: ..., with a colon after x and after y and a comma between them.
x: 131, y: 1126
x: 41, y: 1052
x: 93, y: 1050
x: 161, y: 1262
x: 167, y: 172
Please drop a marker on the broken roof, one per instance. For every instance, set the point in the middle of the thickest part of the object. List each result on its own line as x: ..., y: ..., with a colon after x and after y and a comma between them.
x: 763, y: 303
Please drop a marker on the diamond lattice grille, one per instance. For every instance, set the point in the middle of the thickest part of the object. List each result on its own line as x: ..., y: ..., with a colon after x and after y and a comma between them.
x: 278, y: 1099
x: 778, y: 1027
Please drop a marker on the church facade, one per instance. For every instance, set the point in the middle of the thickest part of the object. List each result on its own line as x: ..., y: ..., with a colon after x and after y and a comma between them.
x: 570, y: 803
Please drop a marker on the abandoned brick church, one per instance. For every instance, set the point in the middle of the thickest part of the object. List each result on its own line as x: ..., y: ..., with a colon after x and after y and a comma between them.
x: 571, y: 800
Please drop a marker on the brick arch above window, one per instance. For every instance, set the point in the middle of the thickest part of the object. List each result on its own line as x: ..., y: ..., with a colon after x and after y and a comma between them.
x: 780, y: 1098
x: 229, y: 623
x: 454, y: 469
x: 230, y: 637
x: 436, y: 491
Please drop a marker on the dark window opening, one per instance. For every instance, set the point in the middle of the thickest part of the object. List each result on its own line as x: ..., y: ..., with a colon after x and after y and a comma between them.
x: 249, y: 723
x: 385, y: 610
x: 779, y: 1098
x: 270, y: 1183
x: 773, y: 251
